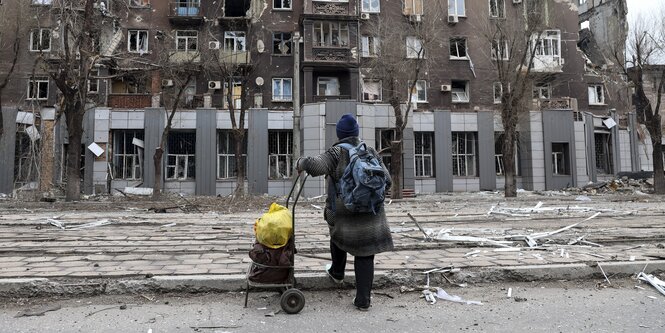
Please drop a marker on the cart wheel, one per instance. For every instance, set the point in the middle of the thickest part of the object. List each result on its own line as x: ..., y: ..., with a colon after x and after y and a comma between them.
x: 292, y: 301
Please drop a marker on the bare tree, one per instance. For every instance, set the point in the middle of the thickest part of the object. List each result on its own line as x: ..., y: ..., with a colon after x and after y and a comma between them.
x: 517, y: 50
x: 645, y: 47
x: 402, y: 61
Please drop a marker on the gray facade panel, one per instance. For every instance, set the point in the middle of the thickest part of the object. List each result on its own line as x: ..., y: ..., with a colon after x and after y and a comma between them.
x: 206, y: 139
x: 257, y: 151
x: 558, y: 127
x: 443, y: 151
x: 634, y: 142
x: 526, y: 154
x: 87, y: 139
x: 616, y: 145
x: 8, y: 149
x: 487, y: 171
x: 334, y: 111
x: 590, y: 144
x: 154, y: 120
x: 409, y: 176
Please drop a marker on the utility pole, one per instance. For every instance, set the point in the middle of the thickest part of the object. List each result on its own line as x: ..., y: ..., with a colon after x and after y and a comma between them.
x: 296, y: 95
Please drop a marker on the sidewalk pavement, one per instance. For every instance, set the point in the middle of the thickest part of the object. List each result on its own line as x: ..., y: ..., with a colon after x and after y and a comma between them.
x: 133, y: 249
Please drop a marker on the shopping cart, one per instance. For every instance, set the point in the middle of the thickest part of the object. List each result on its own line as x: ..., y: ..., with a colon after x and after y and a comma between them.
x: 292, y: 300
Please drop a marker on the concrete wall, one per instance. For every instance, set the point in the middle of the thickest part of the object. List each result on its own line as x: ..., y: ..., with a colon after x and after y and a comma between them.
x: 558, y: 128
x: 7, y: 148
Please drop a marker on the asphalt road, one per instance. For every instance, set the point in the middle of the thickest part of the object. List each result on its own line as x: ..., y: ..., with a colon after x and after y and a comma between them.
x: 562, y: 306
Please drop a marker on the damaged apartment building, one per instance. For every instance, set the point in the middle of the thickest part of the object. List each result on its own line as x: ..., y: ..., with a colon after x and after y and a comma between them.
x: 306, y: 63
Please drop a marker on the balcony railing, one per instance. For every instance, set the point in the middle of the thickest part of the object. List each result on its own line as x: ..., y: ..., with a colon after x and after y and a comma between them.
x: 555, y: 104
x: 129, y: 101
x: 234, y: 57
x: 185, y: 8
x: 322, y: 98
x: 331, y: 54
x: 330, y: 8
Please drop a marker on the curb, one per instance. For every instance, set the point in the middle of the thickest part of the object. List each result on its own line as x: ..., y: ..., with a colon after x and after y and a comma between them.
x: 34, y: 287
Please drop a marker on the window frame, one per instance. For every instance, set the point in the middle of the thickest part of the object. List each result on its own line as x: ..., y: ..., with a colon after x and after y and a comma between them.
x: 456, y: 42
x: 41, y: 2
x: 500, y: 6
x: 233, y: 38
x: 34, y: 87
x: 364, y: 9
x: 226, y: 155
x: 370, y: 46
x: 189, y: 172
x: 424, y: 161
x: 132, y: 158
x: 597, y: 92
x: 282, y: 8
x: 413, y: 7
x: 500, y: 91
x: 539, y: 89
x: 453, y: 8
x: 420, y: 92
x: 324, y: 38
x: 280, y: 83
x: 40, y: 33
x: 565, y: 158
x: 462, y: 157
x: 137, y: 46
x: 365, y: 81
x: 93, y: 82
x: 288, y: 42
x: 136, y: 4
x: 413, y: 42
x: 505, y: 53
x: 328, y: 79
x: 455, y: 97
x: 279, y: 155
x: 187, y: 40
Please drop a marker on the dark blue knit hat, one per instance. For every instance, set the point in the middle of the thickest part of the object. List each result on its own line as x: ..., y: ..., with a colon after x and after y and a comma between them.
x: 347, y: 126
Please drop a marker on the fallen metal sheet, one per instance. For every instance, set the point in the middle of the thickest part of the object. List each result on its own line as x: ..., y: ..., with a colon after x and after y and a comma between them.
x: 138, y: 190
x: 56, y: 223
x: 449, y: 238
x: 92, y: 224
x: 547, y: 234
x: 654, y: 281
x: 442, y: 294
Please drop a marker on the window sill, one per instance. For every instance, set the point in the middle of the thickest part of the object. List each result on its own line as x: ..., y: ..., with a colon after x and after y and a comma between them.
x: 140, y: 53
x: 281, y: 101
x: 282, y: 55
x: 602, y: 104
x: 140, y: 7
x: 460, y: 102
x: 41, y: 51
x: 282, y: 10
x: 458, y: 58
x: 465, y: 177
x: 37, y: 99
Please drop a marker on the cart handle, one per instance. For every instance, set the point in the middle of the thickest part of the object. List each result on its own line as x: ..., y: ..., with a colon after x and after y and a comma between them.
x: 293, y: 187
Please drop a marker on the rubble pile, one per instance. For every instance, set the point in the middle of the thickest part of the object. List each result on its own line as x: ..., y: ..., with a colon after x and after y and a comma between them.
x: 620, y: 185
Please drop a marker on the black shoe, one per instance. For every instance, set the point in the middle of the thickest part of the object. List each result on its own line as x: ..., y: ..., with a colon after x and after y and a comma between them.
x: 360, y: 308
x: 334, y: 279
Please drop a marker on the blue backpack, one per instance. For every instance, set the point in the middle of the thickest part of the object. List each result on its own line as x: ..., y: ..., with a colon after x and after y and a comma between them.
x: 363, y: 185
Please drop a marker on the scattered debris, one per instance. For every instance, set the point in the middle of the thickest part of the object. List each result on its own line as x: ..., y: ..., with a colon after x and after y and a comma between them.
x: 146, y: 191
x: 442, y: 294
x: 169, y: 225
x: 100, y: 310
x: 272, y: 313
x: 510, y: 293
x: 427, y: 236
x: 317, y: 207
x: 582, y: 198
x: 520, y: 299
x: 654, y: 281
x: 603, y: 271
x: 38, y: 311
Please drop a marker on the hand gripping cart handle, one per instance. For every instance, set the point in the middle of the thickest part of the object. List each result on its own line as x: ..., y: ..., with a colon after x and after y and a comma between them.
x: 292, y: 300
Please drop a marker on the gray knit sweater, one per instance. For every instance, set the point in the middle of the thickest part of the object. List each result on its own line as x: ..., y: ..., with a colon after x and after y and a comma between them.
x: 360, y: 234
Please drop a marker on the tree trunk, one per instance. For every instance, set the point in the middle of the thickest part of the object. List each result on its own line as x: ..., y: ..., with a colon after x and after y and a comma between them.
x: 157, y: 164
x: 2, y: 122
x: 396, y: 168
x: 656, y: 133
x: 239, y: 138
x: 75, y: 130
x: 508, y: 147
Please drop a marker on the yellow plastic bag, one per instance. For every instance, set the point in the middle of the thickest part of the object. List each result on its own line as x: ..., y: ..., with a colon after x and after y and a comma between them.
x: 274, y: 228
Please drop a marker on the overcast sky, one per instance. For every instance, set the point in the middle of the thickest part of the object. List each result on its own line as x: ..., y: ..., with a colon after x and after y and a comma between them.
x: 644, y: 7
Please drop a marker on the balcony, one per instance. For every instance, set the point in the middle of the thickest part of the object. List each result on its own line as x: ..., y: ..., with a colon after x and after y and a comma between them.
x: 329, y: 8
x: 129, y: 101
x: 323, y: 98
x: 331, y: 54
x: 234, y: 57
x: 185, y: 12
x: 556, y: 104
x: 182, y: 57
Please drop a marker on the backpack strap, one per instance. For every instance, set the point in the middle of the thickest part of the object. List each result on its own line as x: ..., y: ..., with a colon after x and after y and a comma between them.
x: 332, y: 187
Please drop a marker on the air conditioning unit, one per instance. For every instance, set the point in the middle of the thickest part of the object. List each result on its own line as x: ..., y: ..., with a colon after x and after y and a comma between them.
x: 215, y: 85
x: 445, y: 87
x: 517, y: 1
x: 453, y: 19
x: 167, y: 83
x: 416, y: 18
x: 364, y: 16
x: 214, y: 45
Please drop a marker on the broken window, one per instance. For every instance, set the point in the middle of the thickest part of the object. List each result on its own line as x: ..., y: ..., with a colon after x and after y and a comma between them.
x: 596, y: 94
x: 65, y: 158
x: 280, y: 157
x: 603, y: 147
x: 414, y: 48
x: 385, y: 139
x: 226, y: 158
x: 498, y: 92
x: 372, y: 90
x: 331, y: 34
x: 458, y: 48
x: 281, y: 89
x: 281, y: 43
x: 41, y: 2
x: 40, y: 40
x: 236, y: 8
x: 139, y: 3
x: 547, y: 49
x: 500, y: 50
x: 464, y: 154
x: 374, y: 6
x: 25, y: 158
x: 498, y: 154
x: 130, y: 84
x: 459, y: 91
x: 236, y: 93
x: 328, y: 86
x: 412, y: 7
x: 127, y: 154
x: 93, y: 82
x: 187, y: 7
x: 234, y: 41
x: 424, y: 153
x: 456, y: 7
x: 497, y: 8
x: 542, y: 91
x: 187, y: 40
x: 180, y: 160
x: 137, y: 41
x: 281, y: 4
x: 560, y: 158
x: 370, y: 46
x: 38, y: 88
x: 190, y: 100
x: 419, y: 92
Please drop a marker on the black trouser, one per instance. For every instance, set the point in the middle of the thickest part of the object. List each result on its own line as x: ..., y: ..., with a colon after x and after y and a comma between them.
x: 363, y: 267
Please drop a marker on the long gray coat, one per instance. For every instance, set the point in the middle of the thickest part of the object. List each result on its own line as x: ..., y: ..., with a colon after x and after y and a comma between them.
x: 360, y: 234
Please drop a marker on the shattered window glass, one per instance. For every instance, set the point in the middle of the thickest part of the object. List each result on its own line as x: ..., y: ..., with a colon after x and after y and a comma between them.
x: 280, y: 154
